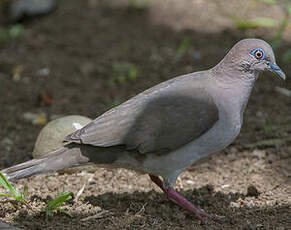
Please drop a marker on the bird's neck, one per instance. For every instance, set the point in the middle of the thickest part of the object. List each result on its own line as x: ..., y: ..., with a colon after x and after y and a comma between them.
x: 234, y: 75
x: 235, y: 84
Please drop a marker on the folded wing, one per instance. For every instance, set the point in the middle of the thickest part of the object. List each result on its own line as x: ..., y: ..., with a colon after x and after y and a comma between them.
x: 162, y: 118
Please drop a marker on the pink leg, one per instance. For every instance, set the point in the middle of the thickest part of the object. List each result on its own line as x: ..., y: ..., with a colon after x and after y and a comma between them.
x: 180, y: 200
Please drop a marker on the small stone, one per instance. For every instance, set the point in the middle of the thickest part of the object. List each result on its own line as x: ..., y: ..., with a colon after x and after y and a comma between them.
x: 189, y: 182
x: 44, y: 72
x: 250, y: 204
x: 259, y: 153
x: 225, y: 186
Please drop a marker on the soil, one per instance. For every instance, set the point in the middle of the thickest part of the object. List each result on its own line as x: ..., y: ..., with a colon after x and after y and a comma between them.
x: 249, y: 183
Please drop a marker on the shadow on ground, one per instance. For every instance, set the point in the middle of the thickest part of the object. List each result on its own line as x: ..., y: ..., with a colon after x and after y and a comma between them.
x: 146, y: 210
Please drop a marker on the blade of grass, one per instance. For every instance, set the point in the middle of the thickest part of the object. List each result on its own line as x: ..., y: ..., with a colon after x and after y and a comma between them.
x: 59, y: 200
x: 25, y: 191
x: 6, y: 195
x: 7, y: 185
x: 57, y: 203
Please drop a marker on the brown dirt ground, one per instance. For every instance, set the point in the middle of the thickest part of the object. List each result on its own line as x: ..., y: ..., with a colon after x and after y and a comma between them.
x: 79, y: 44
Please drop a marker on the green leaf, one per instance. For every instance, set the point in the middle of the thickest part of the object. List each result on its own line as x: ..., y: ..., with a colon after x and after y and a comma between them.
x: 6, y: 184
x: 15, y: 30
x: 6, y: 195
x: 24, y: 194
x: 265, y: 22
x: 124, y: 72
x: 59, y: 200
x: 255, y: 23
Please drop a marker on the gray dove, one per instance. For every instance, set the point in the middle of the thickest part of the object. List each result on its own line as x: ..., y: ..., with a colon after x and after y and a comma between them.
x: 168, y: 127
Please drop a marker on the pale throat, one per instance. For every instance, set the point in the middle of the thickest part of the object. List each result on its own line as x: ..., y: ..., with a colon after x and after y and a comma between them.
x: 236, y: 87
x: 244, y: 86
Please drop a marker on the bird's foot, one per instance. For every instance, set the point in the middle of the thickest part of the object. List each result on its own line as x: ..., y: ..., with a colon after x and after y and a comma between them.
x: 183, y: 202
x: 204, y: 215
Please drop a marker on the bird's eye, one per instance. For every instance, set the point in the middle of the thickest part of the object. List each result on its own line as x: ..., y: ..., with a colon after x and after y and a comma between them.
x: 258, y: 54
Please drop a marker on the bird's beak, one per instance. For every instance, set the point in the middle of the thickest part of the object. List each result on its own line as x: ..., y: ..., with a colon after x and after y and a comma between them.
x: 276, y: 69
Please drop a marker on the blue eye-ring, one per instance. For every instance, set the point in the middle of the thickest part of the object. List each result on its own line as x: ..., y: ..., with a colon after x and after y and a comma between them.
x: 258, y: 53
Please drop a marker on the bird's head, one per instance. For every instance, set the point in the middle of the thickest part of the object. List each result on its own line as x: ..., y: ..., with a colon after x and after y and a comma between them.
x: 254, y: 55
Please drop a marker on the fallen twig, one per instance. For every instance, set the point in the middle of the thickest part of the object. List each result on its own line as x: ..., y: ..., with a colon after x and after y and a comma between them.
x: 99, y: 215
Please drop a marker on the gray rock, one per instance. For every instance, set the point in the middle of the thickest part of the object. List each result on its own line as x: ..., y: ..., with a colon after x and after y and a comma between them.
x: 52, y: 135
x: 18, y: 9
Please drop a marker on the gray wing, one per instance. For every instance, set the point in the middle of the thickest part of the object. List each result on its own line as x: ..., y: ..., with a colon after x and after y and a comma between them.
x: 161, y: 118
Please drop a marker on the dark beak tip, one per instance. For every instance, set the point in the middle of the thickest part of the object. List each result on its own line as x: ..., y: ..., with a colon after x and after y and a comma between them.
x: 276, y: 69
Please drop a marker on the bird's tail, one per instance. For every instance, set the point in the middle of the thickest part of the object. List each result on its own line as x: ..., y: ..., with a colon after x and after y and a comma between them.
x: 64, y: 157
